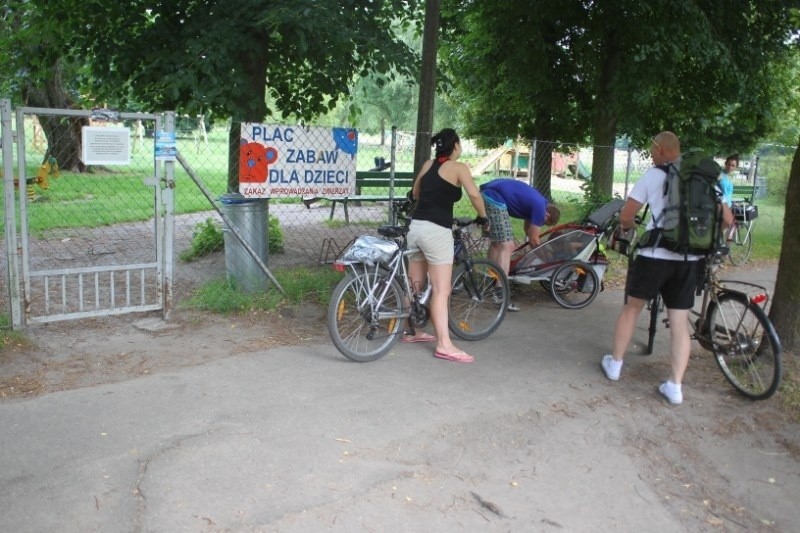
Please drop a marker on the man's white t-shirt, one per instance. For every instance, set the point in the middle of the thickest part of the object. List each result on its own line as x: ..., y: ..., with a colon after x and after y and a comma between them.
x: 650, y: 190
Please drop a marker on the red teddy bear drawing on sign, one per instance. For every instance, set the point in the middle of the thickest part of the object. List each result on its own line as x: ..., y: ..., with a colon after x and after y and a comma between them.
x: 254, y: 161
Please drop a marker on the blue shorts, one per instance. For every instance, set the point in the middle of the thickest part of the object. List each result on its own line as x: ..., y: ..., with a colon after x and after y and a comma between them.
x: 676, y: 281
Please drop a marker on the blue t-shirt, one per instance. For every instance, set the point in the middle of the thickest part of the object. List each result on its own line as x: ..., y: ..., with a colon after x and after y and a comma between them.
x: 521, y: 200
x: 726, y: 185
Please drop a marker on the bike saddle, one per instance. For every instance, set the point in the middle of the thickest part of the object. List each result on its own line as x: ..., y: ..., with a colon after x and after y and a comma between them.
x: 392, y: 232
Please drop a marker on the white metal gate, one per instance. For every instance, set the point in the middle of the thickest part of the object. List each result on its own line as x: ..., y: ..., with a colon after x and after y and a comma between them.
x: 92, y: 243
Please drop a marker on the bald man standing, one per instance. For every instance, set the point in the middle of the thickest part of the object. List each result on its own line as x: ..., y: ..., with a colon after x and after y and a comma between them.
x: 658, y: 270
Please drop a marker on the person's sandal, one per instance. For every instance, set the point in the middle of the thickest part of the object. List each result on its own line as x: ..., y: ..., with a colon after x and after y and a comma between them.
x: 421, y: 337
x: 456, y: 357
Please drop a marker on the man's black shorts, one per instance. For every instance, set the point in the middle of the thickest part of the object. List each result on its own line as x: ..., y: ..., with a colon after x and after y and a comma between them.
x: 675, y: 280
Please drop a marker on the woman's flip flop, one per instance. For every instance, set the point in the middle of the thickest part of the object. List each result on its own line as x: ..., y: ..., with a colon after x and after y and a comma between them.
x: 456, y: 357
x: 422, y: 337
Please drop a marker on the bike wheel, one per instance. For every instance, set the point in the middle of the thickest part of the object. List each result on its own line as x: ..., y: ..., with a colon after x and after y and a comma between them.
x: 746, y: 346
x: 655, y: 310
x: 574, y: 285
x: 741, y: 245
x: 478, y: 299
x: 360, y: 331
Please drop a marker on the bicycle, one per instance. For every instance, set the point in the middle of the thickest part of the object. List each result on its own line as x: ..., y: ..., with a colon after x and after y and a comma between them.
x: 734, y: 326
x: 740, y: 235
x: 370, y: 304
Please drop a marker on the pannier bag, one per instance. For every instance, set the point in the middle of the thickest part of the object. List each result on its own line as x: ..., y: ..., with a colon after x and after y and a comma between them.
x: 744, y: 213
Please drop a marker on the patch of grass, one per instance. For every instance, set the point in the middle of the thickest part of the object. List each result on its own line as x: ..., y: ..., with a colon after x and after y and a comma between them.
x: 335, y: 223
x: 768, y: 229
x: 10, y: 338
x: 302, y: 285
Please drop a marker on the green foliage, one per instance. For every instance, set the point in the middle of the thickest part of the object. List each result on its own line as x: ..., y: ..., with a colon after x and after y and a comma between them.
x: 302, y: 285
x: 580, y: 70
x: 275, y: 239
x: 593, y: 198
x: 775, y: 168
x: 207, y: 237
x: 215, y: 56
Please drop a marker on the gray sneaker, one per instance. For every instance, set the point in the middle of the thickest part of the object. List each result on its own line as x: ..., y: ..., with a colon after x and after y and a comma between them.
x: 512, y: 307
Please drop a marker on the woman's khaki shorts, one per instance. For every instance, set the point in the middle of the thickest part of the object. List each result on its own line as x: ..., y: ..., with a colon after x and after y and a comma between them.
x: 434, y: 241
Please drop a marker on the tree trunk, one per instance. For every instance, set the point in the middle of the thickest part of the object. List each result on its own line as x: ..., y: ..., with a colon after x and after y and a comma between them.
x: 605, y: 125
x: 542, y: 168
x: 251, y: 107
x: 784, y: 313
x: 63, y: 134
x: 427, y: 84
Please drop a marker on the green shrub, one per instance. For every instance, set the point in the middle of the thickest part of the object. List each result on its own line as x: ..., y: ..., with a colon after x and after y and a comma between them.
x: 206, y: 238
x: 275, y: 235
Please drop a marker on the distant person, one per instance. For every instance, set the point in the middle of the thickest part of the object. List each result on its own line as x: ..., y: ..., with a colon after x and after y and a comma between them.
x: 725, y: 182
x: 658, y: 270
x: 437, y: 188
x: 510, y: 198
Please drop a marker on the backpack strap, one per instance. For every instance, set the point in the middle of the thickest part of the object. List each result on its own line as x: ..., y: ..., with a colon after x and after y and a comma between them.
x: 664, y: 191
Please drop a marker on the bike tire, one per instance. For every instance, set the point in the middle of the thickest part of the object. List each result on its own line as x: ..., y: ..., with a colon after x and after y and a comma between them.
x: 741, y: 246
x: 478, y: 300
x: 655, y: 310
x: 574, y: 284
x: 350, y: 318
x: 746, y: 347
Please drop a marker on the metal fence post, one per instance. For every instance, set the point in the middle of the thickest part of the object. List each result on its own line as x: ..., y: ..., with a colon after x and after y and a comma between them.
x: 12, y: 249
x: 168, y: 237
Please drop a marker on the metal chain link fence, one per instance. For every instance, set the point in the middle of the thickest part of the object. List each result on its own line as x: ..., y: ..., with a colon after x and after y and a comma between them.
x: 98, y: 216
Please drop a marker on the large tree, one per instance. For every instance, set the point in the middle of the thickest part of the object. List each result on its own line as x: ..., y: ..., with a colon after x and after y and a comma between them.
x: 594, y: 71
x: 223, y: 57
x: 35, y: 69
x: 784, y: 313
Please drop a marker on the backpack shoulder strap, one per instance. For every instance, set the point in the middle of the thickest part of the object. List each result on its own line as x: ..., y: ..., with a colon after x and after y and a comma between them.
x: 665, y: 191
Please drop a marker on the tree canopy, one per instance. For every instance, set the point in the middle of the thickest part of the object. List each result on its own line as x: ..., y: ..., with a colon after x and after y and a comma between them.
x: 594, y: 71
x: 225, y: 57
x: 222, y: 56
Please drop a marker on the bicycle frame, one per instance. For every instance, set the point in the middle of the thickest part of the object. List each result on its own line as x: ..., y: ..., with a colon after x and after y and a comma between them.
x: 738, y: 223
x: 733, y: 325
x: 713, y: 289
x: 396, y: 269
x: 368, y: 304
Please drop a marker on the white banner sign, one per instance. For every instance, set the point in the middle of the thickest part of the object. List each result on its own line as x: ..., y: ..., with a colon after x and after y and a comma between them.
x: 290, y: 161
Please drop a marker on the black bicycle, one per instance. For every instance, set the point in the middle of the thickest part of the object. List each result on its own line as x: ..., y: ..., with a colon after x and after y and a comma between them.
x: 732, y: 324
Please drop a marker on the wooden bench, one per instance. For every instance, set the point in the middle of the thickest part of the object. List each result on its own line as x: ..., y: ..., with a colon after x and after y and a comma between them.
x: 742, y: 191
x: 374, y: 186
